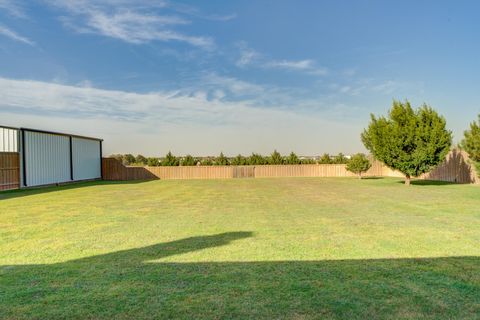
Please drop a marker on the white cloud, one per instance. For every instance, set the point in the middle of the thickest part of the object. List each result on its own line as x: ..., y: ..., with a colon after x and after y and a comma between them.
x: 247, y: 55
x: 132, y: 22
x: 296, y: 65
x: 153, y: 123
x: 14, y: 36
x: 307, y: 66
x: 13, y: 8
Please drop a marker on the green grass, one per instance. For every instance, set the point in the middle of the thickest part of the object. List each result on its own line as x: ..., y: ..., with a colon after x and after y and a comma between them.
x: 297, y: 248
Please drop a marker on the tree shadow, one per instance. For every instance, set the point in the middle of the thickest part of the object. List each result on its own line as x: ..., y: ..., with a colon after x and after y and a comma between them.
x: 17, y: 193
x: 132, y: 284
x: 428, y: 183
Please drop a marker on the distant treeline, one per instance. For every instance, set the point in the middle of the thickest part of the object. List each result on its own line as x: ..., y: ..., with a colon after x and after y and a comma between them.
x: 222, y: 160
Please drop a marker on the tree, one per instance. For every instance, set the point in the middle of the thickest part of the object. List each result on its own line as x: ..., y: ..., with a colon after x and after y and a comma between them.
x: 340, y: 159
x: 325, y: 159
x: 153, y: 162
x: 206, y: 162
x: 189, y: 161
x: 358, y: 164
x: 471, y: 141
x: 128, y: 159
x: 276, y: 158
x: 293, y: 159
x: 170, y: 160
x: 139, y: 159
x: 221, y: 160
x: 256, y: 159
x: 308, y: 161
x: 239, y: 160
x: 410, y: 141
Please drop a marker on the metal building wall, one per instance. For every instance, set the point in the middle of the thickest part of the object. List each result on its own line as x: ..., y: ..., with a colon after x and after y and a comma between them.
x: 86, y: 159
x: 8, y: 140
x: 47, y: 158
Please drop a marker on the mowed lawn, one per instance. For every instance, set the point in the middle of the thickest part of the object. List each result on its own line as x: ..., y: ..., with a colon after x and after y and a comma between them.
x: 301, y: 248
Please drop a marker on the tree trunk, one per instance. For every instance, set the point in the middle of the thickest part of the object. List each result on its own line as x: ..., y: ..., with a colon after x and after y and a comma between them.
x: 407, y: 180
x: 359, y: 175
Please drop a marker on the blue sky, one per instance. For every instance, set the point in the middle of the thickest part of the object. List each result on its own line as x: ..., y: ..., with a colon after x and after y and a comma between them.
x: 202, y: 77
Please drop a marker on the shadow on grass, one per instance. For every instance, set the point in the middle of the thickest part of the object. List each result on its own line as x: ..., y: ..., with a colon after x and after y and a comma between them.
x: 131, y: 284
x: 372, y: 178
x: 10, y: 194
x: 429, y: 183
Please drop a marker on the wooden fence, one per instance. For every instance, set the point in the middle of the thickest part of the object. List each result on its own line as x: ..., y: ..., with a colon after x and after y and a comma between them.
x: 9, y: 170
x: 456, y: 168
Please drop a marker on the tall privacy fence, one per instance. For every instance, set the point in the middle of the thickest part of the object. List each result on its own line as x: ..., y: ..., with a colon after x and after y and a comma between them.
x: 455, y: 168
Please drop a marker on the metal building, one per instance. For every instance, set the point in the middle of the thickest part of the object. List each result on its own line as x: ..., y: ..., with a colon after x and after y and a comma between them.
x: 50, y: 157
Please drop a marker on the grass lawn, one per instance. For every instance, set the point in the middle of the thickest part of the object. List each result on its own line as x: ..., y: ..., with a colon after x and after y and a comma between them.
x: 297, y: 248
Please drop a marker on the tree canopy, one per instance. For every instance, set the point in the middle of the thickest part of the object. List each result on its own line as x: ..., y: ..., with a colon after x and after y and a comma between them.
x: 358, y: 164
x: 410, y: 141
x: 471, y: 143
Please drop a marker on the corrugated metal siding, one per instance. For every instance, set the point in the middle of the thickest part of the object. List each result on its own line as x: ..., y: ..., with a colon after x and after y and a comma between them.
x: 8, y: 140
x: 86, y: 159
x: 47, y: 158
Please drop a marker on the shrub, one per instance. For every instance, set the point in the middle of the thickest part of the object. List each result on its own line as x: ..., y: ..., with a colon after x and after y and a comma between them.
x: 358, y: 164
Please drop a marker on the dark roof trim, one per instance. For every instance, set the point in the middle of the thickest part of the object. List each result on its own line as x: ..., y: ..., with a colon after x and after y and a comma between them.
x: 60, y: 134
x: 7, y: 127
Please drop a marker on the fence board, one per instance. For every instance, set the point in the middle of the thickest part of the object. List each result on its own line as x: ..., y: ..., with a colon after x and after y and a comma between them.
x: 9, y: 170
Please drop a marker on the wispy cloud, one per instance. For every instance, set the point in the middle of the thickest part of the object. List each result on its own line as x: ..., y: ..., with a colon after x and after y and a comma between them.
x: 14, y: 36
x: 249, y: 56
x: 295, y: 65
x: 133, y: 22
x: 141, y: 122
x: 13, y: 8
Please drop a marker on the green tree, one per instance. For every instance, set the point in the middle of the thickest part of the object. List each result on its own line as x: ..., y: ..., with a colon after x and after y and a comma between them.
x: 276, y: 158
x: 340, y: 159
x: 139, y: 159
x: 325, y: 159
x: 188, y: 160
x: 153, y: 162
x: 293, y: 159
x: 471, y: 143
x: 221, y: 160
x: 128, y: 159
x: 170, y: 160
x: 206, y: 162
x: 256, y: 159
x: 239, y: 160
x: 308, y: 161
x: 118, y: 157
x: 358, y: 164
x: 410, y: 141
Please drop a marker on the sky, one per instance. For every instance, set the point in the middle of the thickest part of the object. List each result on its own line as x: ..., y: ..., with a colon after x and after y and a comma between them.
x: 201, y: 77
